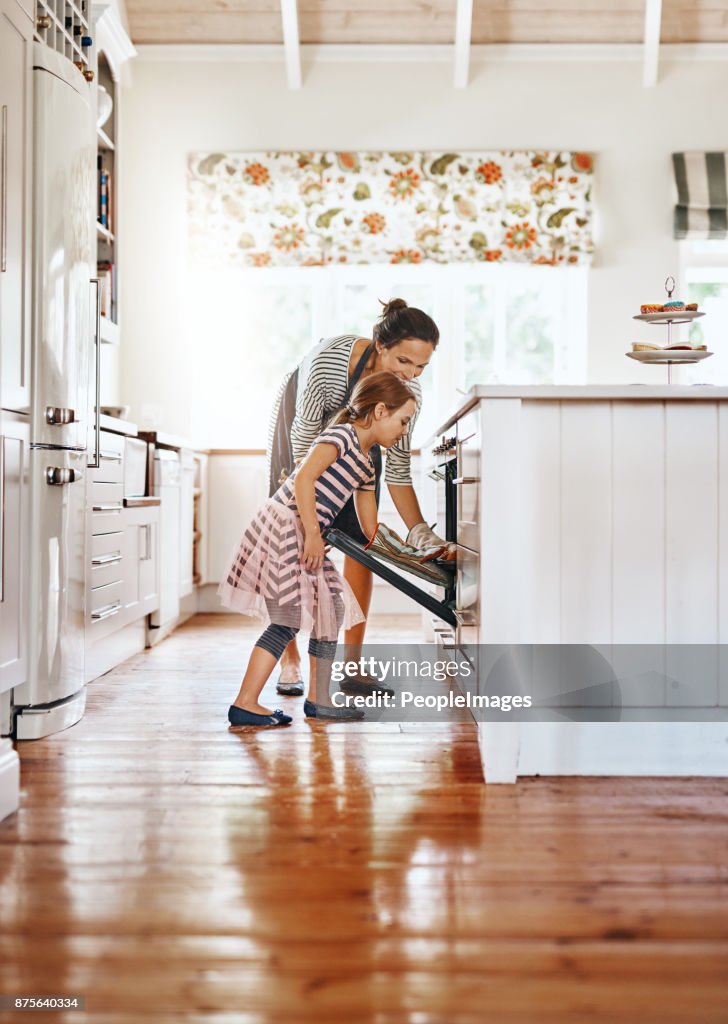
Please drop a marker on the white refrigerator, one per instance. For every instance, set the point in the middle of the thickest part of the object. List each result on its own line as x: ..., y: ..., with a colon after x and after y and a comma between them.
x: 64, y: 355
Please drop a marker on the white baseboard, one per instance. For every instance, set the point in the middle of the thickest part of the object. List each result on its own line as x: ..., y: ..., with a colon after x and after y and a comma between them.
x: 511, y: 749
x: 9, y: 779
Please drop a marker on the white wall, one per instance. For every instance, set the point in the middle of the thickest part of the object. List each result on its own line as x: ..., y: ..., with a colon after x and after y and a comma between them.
x: 172, y: 109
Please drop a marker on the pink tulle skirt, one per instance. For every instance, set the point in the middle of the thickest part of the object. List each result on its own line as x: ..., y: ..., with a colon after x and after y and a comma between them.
x: 267, y: 580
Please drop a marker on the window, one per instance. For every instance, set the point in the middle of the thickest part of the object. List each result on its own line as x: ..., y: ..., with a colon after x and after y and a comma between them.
x: 499, y: 324
x: 704, y: 272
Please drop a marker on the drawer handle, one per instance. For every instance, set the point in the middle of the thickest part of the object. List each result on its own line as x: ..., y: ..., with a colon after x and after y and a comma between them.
x: 106, y: 612
x: 147, y: 527
x: 107, y: 508
x: 106, y: 559
x: 111, y: 456
x: 458, y: 480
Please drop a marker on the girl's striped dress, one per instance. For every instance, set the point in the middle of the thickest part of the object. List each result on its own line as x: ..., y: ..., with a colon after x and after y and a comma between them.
x: 266, y: 578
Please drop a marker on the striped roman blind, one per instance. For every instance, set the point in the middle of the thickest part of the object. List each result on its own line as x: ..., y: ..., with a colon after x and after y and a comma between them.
x: 702, y: 196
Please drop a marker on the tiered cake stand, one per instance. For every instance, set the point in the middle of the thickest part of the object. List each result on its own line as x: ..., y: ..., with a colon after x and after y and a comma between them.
x: 669, y: 357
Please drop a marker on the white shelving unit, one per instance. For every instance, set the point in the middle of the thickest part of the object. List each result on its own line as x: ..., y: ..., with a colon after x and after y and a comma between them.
x: 106, y: 241
x: 64, y: 26
x: 112, y: 49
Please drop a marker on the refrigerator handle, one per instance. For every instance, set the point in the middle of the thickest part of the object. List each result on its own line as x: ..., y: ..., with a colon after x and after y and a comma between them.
x: 4, y: 192
x: 97, y: 425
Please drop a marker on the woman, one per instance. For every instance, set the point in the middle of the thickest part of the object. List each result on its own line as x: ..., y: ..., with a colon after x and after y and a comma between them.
x: 403, y: 342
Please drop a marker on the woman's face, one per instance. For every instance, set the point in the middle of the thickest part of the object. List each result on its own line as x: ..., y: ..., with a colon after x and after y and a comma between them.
x: 406, y: 359
x: 391, y: 425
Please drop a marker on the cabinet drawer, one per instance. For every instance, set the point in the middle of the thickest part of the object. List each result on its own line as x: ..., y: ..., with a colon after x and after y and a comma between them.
x: 106, y: 559
x: 106, y: 602
x: 106, y: 497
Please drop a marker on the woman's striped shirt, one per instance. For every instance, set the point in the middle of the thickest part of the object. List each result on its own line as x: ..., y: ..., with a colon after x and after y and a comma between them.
x: 323, y: 378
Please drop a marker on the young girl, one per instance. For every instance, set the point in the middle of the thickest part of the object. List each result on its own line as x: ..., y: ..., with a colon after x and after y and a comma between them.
x: 281, y: 571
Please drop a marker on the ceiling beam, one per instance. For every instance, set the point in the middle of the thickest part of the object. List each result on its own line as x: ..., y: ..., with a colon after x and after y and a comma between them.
x: 463, y: 31
x: 653, y: 19
x: 289, y: 16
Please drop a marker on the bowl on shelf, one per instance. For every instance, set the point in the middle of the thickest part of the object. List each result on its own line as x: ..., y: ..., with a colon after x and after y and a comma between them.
x: 104, y: 106
x: 119, y: 412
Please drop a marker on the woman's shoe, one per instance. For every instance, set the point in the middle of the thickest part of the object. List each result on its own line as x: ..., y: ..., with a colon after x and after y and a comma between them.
x: 364, y: 686
x: 239, y: 716
x: 294, y: 689
x: 312, y: 710
x: 291, y: 686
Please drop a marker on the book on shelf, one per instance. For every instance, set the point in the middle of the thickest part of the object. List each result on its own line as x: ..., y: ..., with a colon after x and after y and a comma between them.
x: 107, y: 288
x: 104, y: 195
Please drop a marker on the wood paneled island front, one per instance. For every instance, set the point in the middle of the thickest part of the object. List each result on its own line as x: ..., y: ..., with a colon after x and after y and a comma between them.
x: 599, y: 516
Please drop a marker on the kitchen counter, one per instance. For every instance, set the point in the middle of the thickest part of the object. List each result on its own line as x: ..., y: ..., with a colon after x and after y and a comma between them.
x: 161, y: 440
x: 596, y: 516
x: 586, y: 393
x: 117, y: 426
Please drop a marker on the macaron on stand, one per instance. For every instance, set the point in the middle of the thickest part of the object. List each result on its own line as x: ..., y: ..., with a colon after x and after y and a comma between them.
x: 670, y: 312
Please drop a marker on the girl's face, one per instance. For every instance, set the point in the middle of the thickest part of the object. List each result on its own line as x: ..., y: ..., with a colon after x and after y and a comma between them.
x: 405, y: 360
x: 389, y: 425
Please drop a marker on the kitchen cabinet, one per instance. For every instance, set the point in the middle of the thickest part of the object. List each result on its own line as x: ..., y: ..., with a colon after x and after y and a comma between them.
x: 141, y: 558
x: 199, y: 521
x: 174, y: 478
x: 123, y: 569
x: 14, y: 539
x: 14, y: 523
x: 105, y: 508
x: 15, y: 205
x: 186, y: 520
x: 590, y: 523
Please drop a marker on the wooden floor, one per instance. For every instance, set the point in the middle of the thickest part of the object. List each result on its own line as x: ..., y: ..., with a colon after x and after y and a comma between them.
x: 170, y: 870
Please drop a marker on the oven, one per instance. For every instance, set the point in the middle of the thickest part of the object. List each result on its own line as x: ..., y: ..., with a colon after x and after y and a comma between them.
x: 457, y: 472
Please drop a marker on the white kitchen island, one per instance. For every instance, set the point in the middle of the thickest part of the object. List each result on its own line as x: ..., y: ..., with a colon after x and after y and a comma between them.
x: 599, y: 516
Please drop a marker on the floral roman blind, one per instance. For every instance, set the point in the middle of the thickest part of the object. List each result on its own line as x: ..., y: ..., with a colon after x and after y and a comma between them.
x: 315, y: 209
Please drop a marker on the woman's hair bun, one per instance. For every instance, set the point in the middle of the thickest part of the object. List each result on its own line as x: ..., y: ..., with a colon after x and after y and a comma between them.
x: 391, y: 306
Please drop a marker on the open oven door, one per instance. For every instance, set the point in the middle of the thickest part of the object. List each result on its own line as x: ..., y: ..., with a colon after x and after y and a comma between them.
x: 444, y: 609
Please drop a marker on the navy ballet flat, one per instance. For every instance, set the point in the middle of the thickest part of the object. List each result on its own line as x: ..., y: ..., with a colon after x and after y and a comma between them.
x: 239, y: 716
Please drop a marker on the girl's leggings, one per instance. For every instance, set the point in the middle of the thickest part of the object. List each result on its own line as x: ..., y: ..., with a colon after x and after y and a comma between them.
x: 276, y: 638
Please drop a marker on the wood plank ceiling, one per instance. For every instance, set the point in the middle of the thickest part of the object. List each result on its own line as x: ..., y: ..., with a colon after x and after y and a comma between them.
x: 424, y: 21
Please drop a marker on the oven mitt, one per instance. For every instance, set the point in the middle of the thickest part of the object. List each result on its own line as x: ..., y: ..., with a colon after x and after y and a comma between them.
x: 423, y: 538
x: 389, y: 546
